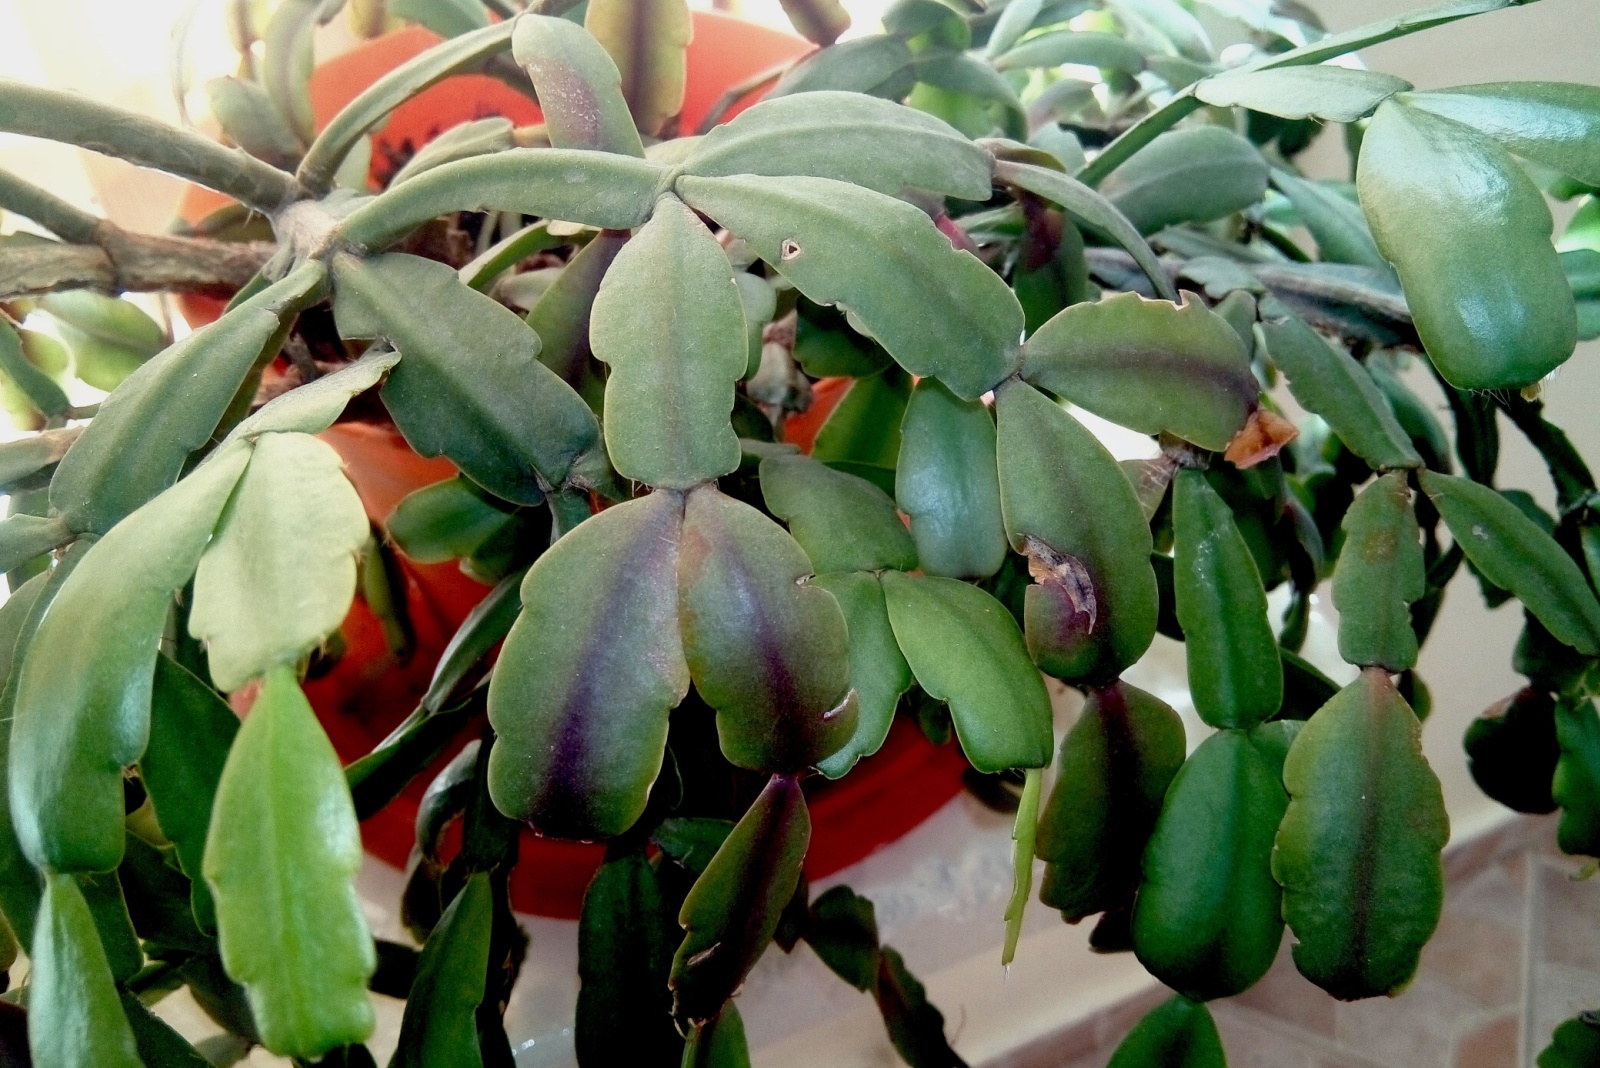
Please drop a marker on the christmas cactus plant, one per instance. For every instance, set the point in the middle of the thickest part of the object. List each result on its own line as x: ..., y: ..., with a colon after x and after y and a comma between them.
x: 985, y: 219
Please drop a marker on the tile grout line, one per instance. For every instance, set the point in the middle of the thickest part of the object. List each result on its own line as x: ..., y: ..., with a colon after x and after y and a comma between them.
x: 1321, y: 1043
x: 1530, y: 880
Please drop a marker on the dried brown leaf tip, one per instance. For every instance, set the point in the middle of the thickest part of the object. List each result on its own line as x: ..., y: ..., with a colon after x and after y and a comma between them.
x: 1065, y: 573
x: 1262, y: 436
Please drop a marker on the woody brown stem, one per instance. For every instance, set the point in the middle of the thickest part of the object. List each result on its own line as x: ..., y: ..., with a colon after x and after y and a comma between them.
x: 118, y: 261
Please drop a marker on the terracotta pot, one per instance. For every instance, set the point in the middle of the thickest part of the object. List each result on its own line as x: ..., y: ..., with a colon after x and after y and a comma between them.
x: 368, y: 691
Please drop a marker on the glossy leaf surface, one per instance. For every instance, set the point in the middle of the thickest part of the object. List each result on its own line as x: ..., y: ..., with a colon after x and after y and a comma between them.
x: 1553, y: 123
x: 511, y: 425
x: 263, y: 595
x: 844, y: 523
x: 1358, y: 850
x: 668, y: 320
x: 965, y: 649
x: 848, y: 137
x: 137, y: 444
x: 1235, y: 675
x: 20, y: 885
x: 938, y: 310
x: 581, y: 691
x: 1148, y: 365
x: 879, y: 673
x: 579, y: 89
x: 1576, y: 785
x: 1443, y: 200
x: 83, y: 696
x: 1207, y: 919
x: 1115, y: 766
x: 281, y: 857
x: 626, y: 939
x: 1328, y: 381
x: 74, y: 1014
x: 440, y: 1025
x: 1092, y: 608
x: 1380, y: 574
x: 1330, y: 93
x: 733, y: 909
x: 766, y: 649
x: 574, y: 185
x: 1516, y: 555
x: 1193, y: 175
x: 947, y: 483
x: 191, y: 731
x: 1175, y: 1034
x: 647, y: 39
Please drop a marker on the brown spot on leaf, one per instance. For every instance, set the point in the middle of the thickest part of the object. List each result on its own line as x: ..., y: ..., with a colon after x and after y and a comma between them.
x: 1264, y: 433
x: 1065, y: 573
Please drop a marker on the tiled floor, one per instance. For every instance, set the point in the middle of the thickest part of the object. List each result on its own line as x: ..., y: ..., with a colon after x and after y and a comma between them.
x: 1517, y: 952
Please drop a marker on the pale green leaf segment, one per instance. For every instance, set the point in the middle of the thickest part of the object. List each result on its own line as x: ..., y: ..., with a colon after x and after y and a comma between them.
x: 281, y: 859
x: 669, y: 322
x: 264, y: 594
x: 1335, y: 94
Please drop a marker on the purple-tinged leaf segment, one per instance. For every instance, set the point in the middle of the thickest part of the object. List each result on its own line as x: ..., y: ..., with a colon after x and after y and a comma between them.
x: 733, y: 909
x: 1149, y: 365
x: 591, y: 668
x: 1116, y: 763
x: 767, y: 649
x: 579, y: 88
x: 1091, y: 611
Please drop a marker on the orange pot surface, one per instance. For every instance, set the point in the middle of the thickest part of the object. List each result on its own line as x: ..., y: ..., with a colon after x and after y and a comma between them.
x: 368, y: 691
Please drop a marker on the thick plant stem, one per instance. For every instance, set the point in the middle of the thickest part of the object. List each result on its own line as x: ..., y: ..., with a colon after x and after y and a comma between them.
x: 116, y: 261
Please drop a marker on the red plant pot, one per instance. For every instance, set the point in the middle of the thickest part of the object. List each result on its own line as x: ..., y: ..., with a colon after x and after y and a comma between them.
x: 368, y: 690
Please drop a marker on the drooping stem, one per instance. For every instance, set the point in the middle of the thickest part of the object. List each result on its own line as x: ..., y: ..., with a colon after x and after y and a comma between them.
x: 46, y: 209
x: 78, y: 120
x: 375, y: 103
